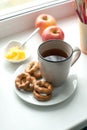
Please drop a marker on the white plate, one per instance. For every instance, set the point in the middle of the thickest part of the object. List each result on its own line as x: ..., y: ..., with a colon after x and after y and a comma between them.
x: 60, y: 93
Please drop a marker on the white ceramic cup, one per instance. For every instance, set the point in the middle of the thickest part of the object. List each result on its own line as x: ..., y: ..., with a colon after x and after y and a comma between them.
x: 56, y: 71
x: 83, y: 37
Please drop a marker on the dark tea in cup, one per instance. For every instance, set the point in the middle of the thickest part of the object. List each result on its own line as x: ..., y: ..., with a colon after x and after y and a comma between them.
x: 54, y: 55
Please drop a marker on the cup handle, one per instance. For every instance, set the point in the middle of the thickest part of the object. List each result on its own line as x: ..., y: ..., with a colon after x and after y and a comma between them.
x: 76, y: 55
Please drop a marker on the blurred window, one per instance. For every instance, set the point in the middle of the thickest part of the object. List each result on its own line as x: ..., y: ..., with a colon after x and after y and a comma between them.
x: 12, y: 8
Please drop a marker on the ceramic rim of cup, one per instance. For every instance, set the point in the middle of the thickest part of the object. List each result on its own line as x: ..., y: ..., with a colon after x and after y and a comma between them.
x: 59, y: 41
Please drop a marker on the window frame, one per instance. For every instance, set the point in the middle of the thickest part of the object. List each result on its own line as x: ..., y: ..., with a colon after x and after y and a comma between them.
x: 25, y: 20
x: 15, y: 11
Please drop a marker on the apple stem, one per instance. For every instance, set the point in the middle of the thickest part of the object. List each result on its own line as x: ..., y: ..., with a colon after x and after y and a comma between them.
x: 55, y: 31
x: 44, y: 17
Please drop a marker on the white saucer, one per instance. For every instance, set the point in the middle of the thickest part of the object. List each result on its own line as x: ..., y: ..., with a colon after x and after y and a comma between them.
x: 60, y: 93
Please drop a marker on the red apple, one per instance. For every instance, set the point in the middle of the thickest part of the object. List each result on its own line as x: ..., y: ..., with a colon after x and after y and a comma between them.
x: 52, y: 32
x: 43, y: 21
